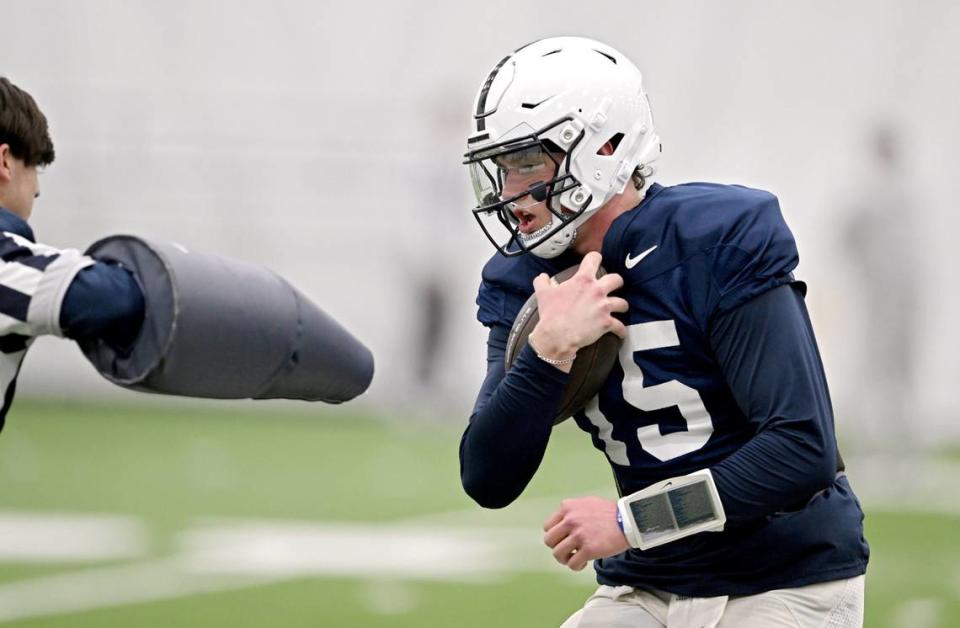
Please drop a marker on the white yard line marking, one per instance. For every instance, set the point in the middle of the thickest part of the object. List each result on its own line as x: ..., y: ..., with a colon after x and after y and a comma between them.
x: 220, y: 555
x: 66, y: 538
x: 400, y: 551
x: 90, y: 589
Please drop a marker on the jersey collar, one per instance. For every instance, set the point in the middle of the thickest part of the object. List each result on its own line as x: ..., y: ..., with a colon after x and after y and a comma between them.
x: 613, y: 250
x: 13, y: 223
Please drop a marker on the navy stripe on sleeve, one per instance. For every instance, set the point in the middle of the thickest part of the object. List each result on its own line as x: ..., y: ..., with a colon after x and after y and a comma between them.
x: 40, y: 262
x: 13, y: 343
x: 11, y: 250
x: 14, y: 303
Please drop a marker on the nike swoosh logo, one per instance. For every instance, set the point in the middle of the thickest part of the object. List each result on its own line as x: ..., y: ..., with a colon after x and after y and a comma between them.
x: 633, y: 261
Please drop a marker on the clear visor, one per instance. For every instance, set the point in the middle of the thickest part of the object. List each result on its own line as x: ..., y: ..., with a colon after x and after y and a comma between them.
x: 508, y: 179
x: 518, y: 174
x: 523, y: 172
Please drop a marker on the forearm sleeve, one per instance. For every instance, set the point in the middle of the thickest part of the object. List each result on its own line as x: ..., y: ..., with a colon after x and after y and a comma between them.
x: 768, y: 353
x: 104, y: 301
x: 508, y: 432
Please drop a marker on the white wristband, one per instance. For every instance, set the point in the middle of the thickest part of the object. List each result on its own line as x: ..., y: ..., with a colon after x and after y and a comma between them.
x: 672, y: 509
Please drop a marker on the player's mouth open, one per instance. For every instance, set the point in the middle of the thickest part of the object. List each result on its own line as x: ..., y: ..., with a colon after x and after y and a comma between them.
x: 526, y: 220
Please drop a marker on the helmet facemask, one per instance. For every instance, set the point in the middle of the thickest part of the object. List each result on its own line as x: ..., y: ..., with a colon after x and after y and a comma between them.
x: 496, y: 213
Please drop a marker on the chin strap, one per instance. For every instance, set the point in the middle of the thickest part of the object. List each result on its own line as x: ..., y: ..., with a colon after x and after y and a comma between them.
x: 562, y: 239
x: 555, y: 244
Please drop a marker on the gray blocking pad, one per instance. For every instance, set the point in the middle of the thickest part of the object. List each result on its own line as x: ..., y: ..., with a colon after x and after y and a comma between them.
x: 226, y: 329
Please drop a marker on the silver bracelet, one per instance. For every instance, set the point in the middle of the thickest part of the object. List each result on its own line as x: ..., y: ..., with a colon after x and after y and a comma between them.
x: 551, y: 361
x: 562, y: 362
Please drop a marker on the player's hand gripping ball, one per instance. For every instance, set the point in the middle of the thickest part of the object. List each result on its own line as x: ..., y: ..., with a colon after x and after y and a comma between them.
x: 591, y: 366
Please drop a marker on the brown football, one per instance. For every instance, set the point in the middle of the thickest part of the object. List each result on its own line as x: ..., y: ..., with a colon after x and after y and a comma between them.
x: 591, y: 366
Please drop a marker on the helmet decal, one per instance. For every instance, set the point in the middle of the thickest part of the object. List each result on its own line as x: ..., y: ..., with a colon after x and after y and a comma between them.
x: 482, y: 113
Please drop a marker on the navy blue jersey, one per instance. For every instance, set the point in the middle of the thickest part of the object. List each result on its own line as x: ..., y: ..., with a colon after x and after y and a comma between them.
x: 719, y: 370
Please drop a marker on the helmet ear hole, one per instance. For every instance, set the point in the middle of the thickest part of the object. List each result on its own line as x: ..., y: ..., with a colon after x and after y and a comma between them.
x: 613, y: 143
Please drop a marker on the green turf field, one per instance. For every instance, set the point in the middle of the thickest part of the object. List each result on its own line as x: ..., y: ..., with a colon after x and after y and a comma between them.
x: 297, y: 515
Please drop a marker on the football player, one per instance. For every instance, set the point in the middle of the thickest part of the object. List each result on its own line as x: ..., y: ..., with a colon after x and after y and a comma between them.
x: 103, y: 304
x: 734, y: 509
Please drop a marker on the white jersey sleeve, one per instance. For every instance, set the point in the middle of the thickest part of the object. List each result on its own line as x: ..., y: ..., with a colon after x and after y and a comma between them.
x: 33, y: 282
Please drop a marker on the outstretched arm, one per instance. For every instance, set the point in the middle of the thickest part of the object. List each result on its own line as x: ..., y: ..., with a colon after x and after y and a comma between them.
x: 46, y: 290
x: 103, y: 301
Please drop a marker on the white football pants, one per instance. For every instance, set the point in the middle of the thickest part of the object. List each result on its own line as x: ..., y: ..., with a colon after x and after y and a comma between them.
x: 836, y: 604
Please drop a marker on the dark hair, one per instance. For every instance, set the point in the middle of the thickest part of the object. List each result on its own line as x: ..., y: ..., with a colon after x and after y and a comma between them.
x: 23, y: 126
x: 641, y: 174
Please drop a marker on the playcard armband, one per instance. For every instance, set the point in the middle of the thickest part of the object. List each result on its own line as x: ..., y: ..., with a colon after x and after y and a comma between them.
x: 226, y: 329
x: 671, y: 510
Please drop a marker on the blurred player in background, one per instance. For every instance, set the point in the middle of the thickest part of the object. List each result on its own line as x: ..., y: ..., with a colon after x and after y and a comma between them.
x: 103, y: 305
x: 719, y: 378
x: 884, y: 250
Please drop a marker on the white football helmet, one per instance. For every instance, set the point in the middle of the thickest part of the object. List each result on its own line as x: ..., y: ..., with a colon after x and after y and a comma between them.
x: 564, y: 98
